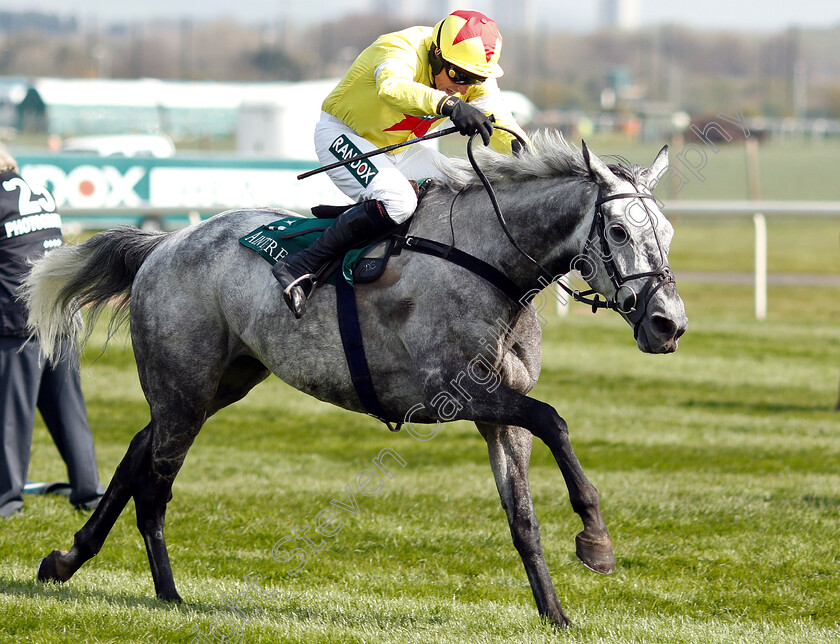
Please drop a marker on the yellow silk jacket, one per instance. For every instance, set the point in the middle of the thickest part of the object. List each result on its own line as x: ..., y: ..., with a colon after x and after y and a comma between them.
x: 388, y: 95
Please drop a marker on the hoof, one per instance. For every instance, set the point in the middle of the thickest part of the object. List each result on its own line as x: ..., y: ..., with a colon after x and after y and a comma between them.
x: 557, y: 619
x: 49, y: 568
x: 596, y: 555
x: 174, y: 597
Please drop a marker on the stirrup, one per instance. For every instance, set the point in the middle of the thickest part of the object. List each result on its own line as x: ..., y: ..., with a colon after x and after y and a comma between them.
x: 296, y: 294
x: 308, y: 277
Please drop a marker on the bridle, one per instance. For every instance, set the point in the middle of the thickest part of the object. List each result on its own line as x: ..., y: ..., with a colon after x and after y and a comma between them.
x: 634, y: 305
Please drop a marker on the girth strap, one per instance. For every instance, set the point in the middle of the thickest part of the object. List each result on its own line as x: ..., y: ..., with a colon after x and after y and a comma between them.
x: 354, y: 351
x: 348, y: 315
x: 465, y: 260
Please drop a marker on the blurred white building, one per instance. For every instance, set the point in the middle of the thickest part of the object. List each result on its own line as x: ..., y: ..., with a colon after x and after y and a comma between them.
x: 620, y: 14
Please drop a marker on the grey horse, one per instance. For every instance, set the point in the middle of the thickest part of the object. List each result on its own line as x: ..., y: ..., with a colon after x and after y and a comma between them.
x: 208, y: 323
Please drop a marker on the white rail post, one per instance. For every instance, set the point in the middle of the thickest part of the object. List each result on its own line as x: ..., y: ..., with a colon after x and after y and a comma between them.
x: 760, y: 266
x: 563, y: 301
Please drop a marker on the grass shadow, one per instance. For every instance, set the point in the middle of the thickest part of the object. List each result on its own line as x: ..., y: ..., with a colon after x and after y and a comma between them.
x: 822, y: 502
x: 51, y: 590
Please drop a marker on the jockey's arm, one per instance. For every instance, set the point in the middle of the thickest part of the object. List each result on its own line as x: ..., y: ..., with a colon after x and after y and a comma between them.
x: 397, y: 85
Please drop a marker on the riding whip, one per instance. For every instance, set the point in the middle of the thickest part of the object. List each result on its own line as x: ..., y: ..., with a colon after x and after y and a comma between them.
x: 388, y: 148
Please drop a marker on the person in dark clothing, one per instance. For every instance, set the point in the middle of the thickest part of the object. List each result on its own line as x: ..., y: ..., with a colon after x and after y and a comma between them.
x: 29, y: 226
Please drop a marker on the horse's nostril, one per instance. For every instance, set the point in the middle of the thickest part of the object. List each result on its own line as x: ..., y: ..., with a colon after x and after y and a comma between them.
x: 663, y: 327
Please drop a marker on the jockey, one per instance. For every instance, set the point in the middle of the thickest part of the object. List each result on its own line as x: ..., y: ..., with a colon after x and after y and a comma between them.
x: 396, y: 90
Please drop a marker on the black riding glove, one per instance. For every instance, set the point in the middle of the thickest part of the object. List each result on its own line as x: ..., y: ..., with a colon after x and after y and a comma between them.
x: 466, y: 118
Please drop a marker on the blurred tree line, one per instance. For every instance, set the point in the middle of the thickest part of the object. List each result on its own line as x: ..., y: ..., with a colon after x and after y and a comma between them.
x: 794, y: 72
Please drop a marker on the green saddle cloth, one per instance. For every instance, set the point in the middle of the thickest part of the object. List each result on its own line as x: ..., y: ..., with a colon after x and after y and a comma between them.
x: 289, y: 235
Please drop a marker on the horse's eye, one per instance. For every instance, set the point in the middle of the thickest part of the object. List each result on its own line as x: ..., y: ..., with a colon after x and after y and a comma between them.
x: 618, y: 235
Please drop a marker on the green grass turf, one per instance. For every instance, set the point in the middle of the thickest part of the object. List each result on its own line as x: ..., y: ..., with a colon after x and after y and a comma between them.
x: 718, y: 468
x: 788, y: 170
x: 794, y: 245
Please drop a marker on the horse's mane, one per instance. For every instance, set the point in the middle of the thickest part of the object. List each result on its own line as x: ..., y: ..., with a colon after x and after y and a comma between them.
x: 549, y: 156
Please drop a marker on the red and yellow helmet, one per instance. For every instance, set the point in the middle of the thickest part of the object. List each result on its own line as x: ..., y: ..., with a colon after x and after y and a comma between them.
x: 471, y: 42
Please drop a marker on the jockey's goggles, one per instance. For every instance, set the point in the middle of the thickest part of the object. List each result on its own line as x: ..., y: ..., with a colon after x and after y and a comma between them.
x: 461, y: 76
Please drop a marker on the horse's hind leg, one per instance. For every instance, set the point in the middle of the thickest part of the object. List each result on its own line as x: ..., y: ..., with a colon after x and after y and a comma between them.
x: 177, y: 427
x: 510, y: 452
x: 147, y: 472
x: 60, y: 565
x: 153, y: 490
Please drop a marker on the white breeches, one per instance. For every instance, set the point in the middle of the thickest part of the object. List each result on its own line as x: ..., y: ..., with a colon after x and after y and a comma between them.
x: 384, y: 177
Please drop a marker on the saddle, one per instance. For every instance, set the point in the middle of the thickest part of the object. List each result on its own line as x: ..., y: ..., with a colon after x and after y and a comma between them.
x: 359, y: 266
x: 289, y: 235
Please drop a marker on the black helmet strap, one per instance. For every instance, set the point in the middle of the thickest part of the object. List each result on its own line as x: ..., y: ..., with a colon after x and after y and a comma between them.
x: 435, y: 55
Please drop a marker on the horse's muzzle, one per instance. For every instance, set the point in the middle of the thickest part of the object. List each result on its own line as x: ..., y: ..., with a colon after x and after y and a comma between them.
x: 661, y: 333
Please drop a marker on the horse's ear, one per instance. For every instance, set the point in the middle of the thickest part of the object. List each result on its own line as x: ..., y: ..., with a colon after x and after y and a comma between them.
x: 598, y: 170
x: 585, y: 151
x: 657, y: 170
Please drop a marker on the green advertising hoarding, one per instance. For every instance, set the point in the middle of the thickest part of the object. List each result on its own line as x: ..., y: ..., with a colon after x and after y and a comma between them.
x: 89, y: 183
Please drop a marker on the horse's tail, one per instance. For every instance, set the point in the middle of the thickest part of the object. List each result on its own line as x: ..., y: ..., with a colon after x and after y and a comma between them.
x: 96, y: 273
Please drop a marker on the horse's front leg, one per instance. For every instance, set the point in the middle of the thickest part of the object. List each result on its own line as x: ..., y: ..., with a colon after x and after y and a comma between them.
x: 509, y: 449
x: 593, y: 545
x: 508, y: 407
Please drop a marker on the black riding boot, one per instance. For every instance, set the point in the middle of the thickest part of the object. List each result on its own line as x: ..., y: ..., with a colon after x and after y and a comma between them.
x: 354, y: 227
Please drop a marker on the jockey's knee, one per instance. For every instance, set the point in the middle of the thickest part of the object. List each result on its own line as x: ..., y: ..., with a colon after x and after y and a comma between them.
x: 400, y: 206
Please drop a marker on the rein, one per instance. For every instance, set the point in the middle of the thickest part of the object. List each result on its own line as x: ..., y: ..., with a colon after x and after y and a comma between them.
x: 627, y: 306
x: 661, y: 276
